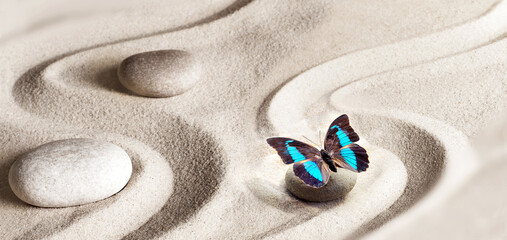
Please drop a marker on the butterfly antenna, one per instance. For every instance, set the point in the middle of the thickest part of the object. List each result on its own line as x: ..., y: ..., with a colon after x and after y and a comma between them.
x: 311, y: 141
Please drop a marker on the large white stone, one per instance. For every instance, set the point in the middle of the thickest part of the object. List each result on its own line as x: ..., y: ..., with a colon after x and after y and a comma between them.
x: 70, y: 172
x: 163, y: 73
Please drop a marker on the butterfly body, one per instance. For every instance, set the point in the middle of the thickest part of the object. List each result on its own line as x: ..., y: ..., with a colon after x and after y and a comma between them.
x: 312, y: 165
x: 327, y: 159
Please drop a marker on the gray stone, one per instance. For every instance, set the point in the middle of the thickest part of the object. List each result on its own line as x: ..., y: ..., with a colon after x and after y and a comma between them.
x: 70, y: 172
x: 163, y: 73
x: 339, y: 184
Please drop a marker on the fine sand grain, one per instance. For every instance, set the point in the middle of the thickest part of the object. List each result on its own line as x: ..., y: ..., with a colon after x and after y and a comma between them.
x: 424, y: 84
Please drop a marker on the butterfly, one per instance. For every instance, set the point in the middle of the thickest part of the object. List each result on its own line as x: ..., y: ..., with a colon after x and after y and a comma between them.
x: 313, y: 165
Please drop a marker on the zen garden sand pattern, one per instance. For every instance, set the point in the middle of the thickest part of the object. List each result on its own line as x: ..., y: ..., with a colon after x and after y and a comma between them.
x: 174, y: 137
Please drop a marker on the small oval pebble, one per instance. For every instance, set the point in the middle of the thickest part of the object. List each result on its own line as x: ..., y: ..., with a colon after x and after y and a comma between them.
x: 163, y: 73
x: 339, y: 184
x: 70, y: 172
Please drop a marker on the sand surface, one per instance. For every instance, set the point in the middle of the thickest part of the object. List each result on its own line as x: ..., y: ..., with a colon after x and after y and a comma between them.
x: 424, y: 84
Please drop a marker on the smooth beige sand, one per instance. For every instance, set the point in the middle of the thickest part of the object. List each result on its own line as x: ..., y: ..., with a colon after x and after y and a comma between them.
x: 424, y: 84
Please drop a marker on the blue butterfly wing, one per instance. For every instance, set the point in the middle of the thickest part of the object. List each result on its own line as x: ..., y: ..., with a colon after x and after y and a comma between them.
x: 293, y: 151
x: 340, y: 144
x: 314, y: 172
x: 352, y: 157
x: 339, y: 134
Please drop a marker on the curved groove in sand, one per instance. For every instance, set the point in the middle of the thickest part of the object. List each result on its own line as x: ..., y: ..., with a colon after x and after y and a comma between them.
x: 130, y: 47
x: 192, y: 188
x: 460, y: 160
x: 437, y: 158
x: 93, y: 68
x: 358, y: 65
x: 42, y: 22
x: 292, y: 105
x: 206, y: 19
